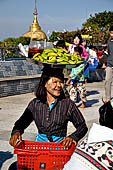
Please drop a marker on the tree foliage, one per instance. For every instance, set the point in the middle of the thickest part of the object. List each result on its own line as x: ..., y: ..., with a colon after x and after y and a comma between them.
x: 68, y: 36
x: 54, y: 36
x: 96, y: 26
x: 100, y: 20
x: 16, y: 41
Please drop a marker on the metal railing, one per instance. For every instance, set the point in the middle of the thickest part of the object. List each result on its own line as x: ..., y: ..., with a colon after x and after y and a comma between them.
x: 8, y: 52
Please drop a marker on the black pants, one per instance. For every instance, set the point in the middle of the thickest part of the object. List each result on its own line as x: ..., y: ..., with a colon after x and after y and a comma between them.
x: 13, y: 166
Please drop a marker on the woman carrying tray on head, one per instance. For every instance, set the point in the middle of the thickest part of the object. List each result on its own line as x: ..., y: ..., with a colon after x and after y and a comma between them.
x: 51, y: 111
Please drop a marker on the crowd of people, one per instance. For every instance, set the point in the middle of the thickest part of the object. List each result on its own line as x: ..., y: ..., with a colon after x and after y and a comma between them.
x: 51, y: 110
x: 96, y: 151
x: 77, y: 77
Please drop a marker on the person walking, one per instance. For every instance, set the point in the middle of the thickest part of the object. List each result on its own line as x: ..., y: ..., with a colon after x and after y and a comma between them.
x: 75, y: 81
x: 109, y: 68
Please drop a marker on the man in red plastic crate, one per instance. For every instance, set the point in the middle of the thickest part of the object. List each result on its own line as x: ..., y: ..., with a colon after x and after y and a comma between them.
x: 51, y: 111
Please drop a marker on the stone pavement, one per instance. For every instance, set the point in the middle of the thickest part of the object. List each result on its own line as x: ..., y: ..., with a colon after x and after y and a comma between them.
x: 12, y: 107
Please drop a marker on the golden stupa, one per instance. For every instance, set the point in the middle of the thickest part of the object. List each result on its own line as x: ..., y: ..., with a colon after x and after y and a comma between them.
x: 35, y: 31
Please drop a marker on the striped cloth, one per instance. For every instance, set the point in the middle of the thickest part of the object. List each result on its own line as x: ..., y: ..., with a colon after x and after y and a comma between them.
x: 54, y: 122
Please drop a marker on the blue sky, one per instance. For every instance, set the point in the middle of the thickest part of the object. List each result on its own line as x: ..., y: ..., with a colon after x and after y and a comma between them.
x: 17, y: 15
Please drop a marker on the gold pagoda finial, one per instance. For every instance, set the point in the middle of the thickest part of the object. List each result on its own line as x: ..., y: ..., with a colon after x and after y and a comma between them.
x: 35, y: 31
x: 35, y: 24
x: 35, y: 12
x: 35, y: 3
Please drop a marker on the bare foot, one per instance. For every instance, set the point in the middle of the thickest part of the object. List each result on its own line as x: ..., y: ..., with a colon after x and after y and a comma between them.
x: 85, y: 81
x: 83, y: 105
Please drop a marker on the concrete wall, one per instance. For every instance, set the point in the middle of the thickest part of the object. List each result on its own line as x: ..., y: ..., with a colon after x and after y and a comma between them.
x: 18, y: 77
x: 18, y: 68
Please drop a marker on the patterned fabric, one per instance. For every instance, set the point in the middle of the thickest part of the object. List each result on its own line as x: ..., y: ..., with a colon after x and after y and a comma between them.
x: 97, y: 156
x: 77, y: 76
x: 44, y: 138
x: 54, y: 122
x: 76, y: 90
x: 82, y: 92
x: 73, y: 92
x: 78, y: 73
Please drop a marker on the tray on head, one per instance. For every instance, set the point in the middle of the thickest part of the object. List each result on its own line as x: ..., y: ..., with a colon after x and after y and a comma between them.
x: 55, y: 65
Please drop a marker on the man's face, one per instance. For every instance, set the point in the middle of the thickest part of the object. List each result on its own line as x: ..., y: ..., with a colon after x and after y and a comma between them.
x: 111, y: 34
x: 54, y: 86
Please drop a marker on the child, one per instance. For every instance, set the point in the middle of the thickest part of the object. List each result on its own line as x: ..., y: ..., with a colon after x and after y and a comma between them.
x: 76, y: 81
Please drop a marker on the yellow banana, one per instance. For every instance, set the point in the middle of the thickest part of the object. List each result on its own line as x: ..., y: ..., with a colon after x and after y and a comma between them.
x: 55, y: 50
x: 36, y: 55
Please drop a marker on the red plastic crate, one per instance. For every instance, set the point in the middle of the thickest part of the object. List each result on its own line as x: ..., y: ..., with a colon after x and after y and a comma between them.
x: 42, y: 155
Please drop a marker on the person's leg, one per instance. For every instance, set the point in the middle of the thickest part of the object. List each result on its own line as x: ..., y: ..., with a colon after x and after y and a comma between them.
x: 108, y: 83
x: 82, y: 92
x: 13, y: 166
x: 73, y: 93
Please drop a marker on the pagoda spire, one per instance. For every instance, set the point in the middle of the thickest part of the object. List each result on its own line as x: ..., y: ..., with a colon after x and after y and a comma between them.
x: 35, y: 30
x: 35, y: 25
x: 35, y: 3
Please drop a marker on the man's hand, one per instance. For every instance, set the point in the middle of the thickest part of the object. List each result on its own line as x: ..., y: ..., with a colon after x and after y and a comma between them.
x: 67, y: 142
x: 13, y: 139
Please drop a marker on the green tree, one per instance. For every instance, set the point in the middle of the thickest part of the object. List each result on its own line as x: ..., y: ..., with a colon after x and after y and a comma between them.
x: 100, y: 20
x: 54, y: 36
x: 16, y: 41
x: 98, y: 26
x: 67, y: 36
x: 23, y: 40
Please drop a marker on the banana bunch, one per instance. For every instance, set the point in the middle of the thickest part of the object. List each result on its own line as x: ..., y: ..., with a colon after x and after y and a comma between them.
x: 57, y: 56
